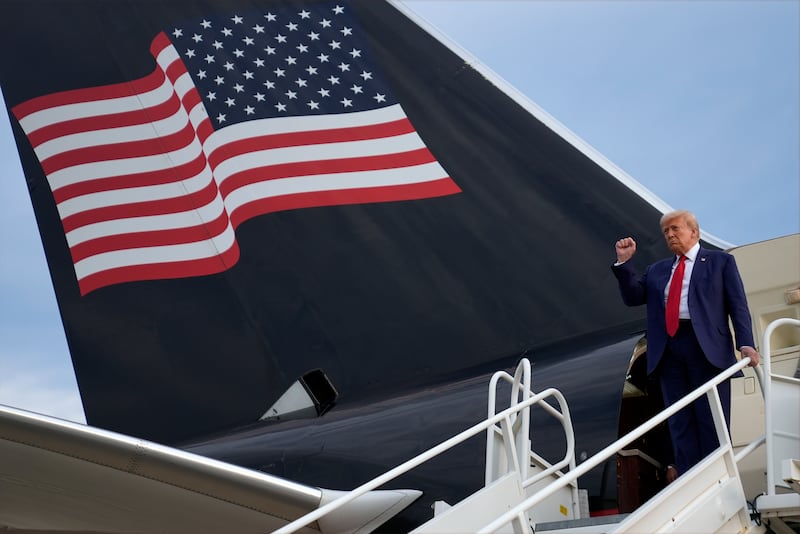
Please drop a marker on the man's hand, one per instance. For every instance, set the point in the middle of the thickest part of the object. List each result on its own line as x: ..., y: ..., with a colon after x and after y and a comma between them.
x: 750, y: 352
x: 625, y: 248
x: 671, y: 474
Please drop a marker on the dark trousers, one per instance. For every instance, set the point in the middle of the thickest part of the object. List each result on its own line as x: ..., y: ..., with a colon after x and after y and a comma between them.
x: 683, y: 368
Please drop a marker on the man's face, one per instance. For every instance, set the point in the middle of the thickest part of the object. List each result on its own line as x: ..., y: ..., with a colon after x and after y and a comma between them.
x: 680, y: 238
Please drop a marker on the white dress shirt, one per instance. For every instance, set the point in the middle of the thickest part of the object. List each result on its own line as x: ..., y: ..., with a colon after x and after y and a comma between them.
x: 691, y: 255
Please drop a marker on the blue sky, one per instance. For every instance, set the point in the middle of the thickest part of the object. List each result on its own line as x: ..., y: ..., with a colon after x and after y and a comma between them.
x: 697, y: 100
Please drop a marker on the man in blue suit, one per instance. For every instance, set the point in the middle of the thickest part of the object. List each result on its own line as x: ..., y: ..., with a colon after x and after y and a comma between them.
x: 698, y: 345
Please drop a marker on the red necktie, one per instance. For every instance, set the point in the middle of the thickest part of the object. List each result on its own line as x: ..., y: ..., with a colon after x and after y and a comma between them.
x: 674, y: 297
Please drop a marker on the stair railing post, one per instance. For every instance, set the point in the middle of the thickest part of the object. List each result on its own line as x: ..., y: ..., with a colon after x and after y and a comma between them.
x: 766, y: 388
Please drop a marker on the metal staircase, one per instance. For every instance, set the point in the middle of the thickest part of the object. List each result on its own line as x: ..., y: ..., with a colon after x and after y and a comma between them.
x: 521, y: 489
x: 781, y: 502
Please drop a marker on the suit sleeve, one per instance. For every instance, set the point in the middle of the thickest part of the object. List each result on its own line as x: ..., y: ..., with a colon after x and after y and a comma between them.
x: 736, y: 303
x: 632, y: 286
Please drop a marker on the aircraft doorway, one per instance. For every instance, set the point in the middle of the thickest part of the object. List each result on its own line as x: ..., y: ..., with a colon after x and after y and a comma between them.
x: 641, y: 466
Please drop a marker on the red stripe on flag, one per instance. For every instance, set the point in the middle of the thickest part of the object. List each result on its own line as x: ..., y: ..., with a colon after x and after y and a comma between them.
x: 174, y: 236
x: 90, y: 94
x: 331, y: 166
x: 129, y: 181
x: 104, y: 122
x: 119, y: 151
x: 389, y: 193
x: 160, y: 42
x: 159, y: 271
x: 165, y: 206
x: 204, y: 131
x: 311, y: 137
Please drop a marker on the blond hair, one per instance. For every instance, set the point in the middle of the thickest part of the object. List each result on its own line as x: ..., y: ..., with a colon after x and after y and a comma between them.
x: 686, y: 215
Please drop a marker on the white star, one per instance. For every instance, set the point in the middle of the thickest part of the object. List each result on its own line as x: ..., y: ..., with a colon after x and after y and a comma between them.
x: 219, y: 80
x: 357, y: 89
x: 209, y: 58
x: 311, y: 70
x: 338, y: 10
x: 324, y: 92
x: 291, y: 94
x: 237, y: 19
x: 290, y: 60
x: 230, y: 102
x: 346, y: 31
x: 258, y: 28
x: 221, y: 117
x: 247, y: 75
x: 280, y: 38
x: 269, y: 85
x: 259, y: 96
x: 238, y: 88
x: 355, y: 53
x: 197, y: 38
x: 323, y: 58
x: 205, y: 24
x: 249, y: 110
x: 302, y: 48
x: 270, y: 17
x: 325, y: 23
x: 211, y: 96
x: 346, y: 102
x: 292, y: 27
x: 280, y: 107
x: 177, y: 32
x: 226, y: 32
x: 304, y: 14
x: 201, y: 74
x: 190, y: 52
x: 300, y: 82
x: 229, y: 66
x: 379, y: 98
x: 217, y: 45
x: 366, y: 75
x: 334, y: 80
x: 269, y: 50
x: 335, y: 45
x: 313, y: 105
x: 314, y: 36
x: 238, y: 53
x: 259, y: 62
x: 344, y: 67
x: 248, y: 41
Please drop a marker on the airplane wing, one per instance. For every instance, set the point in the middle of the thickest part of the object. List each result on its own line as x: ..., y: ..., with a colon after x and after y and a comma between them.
x: 58, y: 476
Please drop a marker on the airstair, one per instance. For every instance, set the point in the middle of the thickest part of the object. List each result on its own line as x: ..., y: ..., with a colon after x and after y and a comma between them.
x: 521, y: 489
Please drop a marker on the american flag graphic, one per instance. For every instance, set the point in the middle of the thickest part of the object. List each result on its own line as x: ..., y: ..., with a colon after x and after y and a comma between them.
x: 244, y: 114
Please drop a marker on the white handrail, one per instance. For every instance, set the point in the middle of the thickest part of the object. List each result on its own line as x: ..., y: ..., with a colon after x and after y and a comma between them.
x: 597, y: 459
x: 504, y: 416
x: 518, y: 433
x: 766, y: 388
x: 510, y: 422
x: 755, y: 444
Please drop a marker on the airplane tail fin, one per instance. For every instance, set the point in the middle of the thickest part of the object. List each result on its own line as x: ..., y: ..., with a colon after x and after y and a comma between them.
x: 234, y: 194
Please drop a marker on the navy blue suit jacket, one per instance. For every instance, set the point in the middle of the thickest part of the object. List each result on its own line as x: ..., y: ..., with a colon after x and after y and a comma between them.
x: 716, y: 293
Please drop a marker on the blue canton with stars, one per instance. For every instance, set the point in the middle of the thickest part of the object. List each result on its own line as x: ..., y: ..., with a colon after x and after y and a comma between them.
x: 306, y: 61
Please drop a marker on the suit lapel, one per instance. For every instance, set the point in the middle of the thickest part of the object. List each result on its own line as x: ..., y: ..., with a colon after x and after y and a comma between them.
x: 702, y: 264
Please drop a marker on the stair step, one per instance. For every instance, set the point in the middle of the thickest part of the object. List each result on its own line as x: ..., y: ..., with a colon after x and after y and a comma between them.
x: 571, y: 525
